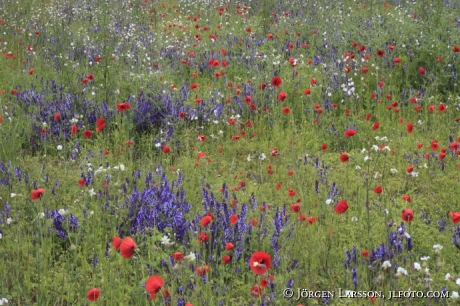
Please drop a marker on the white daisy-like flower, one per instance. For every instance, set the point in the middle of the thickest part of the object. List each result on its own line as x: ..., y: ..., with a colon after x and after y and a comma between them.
x: 357, y: 167
x: 416, y: 266
x: 9, y: 221
x: 454, y: 295
x: 386, y: 264
x: 414, y: 174
x: 366, y: 158
x: 91, y: 192
x: 262, y: 156
x: 190, y: 256
x: 354, y: 219
x: 424, y: 258
x: 63, y: 211
x: 363, y: 150
x: 59, y: 147
x: 401, y: 270
x: 328, y: 201
x: 447, y: 277
x: 393, y: 170
x: 458, y: 281
x: 437, y: 247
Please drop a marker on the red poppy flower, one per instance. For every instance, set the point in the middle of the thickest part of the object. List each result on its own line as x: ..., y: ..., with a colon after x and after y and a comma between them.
x: 434, y: 145
x: 295, y: 208
x: 312, y: 220
x: 324, y: 147
x: 123, y: 106
x: 57, y: 116
x: 365, y: 253
x: 256, y: 291
x: 260, y: 262
x: 166, y: 149
x: 81, y: 182
x: 229, y: 246
x: 263, y: 282
x: 193, y: 86
x: 313, y: 82
x: 349, y: 133
x: 37, y: 194
x: 396, y: 60
x: 74, y: 129
x: 226, y: 259
x: 307, y: 91
x: 178, y: 256
x: 153, y: 285
x: 421, y: 71
x: 407, y: 215
x: 378, y: 190
x: 205, y: 220
x: 201, y: 155
x: 235, y: 138
x: 406, y: 198
x: 233, y: 219
x: 456, y: 49
x: 442, y: 108
x: 116, y: 242
x: 376, y: 125
x: 253, y: 222
x: 276, y: 81
x: 100, y: 124
x: 453, y: 146
x: 344, y: 157
x: 202, y: 270
x: 87, y: 134
x: 282, y: 96
x: 286, y: 110
x: 84, y: 81
x: 341, y: 207
x: 455, y: 217
x: 431, y: 108
x: 93, y: 294
x: 380, y: 53
x: 409, y: 127
x: 127, y: 247
x: 203, y: 237
x: 291, y: 192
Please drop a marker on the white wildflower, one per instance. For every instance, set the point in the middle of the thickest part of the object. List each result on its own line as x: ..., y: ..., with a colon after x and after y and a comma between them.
x: 424, y: 258
x: 9, y: 221
x: 262, y: 156
x: 416, y: 266
x: 249, y: 157
x: 328, y: 201
x: 393, y: 170
x: 386, y: 264
x: 401, y: 270
x: 454, y: 295
x: 190, y: 256
x: 59, y: 147
x: 447, y: 276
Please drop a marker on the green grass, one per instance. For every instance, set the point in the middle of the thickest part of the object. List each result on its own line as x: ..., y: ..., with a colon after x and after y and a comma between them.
x: 146, y: 54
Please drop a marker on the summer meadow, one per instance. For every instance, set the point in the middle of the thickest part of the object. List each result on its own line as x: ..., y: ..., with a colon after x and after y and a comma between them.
x: 257, y: 152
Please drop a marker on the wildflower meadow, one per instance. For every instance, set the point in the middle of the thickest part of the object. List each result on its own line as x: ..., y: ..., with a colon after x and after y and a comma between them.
x: 257, y: 152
